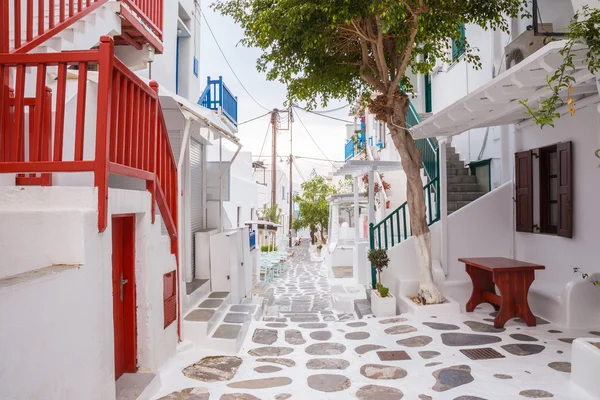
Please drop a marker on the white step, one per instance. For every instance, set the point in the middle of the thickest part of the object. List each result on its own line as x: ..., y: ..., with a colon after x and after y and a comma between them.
x: 230, y: 334
x: 203, y: 318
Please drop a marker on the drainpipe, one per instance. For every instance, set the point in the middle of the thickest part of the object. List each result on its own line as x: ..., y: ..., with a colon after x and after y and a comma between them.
x: 443, y: 199
x: 182, y: 151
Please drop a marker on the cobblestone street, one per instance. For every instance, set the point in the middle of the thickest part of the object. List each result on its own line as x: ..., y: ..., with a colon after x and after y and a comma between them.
x: 309, y: 351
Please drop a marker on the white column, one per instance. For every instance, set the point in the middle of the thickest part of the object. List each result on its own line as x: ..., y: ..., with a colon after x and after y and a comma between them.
x: 371, y: 197
x: 443, y: 199
x: 505, y: 154
x: 356, y: 212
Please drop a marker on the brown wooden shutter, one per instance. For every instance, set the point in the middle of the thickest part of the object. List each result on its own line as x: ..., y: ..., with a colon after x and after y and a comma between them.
x: 565, y: 189
x: 524, y: 183
x: 170, y: 297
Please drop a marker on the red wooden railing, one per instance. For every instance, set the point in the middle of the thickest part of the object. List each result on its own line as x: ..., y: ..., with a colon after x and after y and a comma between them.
x: 131, y: 135
x: 150, y: 12
x: 26, y: 24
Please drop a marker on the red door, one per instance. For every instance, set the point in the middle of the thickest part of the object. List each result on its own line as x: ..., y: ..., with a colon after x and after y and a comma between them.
x: 124, y: 304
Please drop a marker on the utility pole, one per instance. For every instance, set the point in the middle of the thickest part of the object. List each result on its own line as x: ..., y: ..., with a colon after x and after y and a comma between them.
x: 274, y: 120
x: 291, y: 120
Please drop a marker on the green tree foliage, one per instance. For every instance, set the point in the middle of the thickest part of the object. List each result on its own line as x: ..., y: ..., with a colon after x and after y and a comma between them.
x: 314, y: 208
x: 379, y: 260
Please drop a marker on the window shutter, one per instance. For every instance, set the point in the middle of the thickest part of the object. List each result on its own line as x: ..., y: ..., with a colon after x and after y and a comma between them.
x: 524, y: 183
x: 565, y: 189
x: 169, y: 298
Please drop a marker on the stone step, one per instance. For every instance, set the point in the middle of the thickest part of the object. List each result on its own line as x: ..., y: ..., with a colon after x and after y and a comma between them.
x: 461, y: 179
x: 452, y: 157
x: 457, y: 171
x: 463, y: 187
x: 200, y: 321
x: 456, y: 205
x: 362, y: 308
x: 464, y: 196
x: 455, y: 164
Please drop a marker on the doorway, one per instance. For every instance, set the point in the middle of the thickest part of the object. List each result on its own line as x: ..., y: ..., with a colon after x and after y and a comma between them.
x: 124, y: 302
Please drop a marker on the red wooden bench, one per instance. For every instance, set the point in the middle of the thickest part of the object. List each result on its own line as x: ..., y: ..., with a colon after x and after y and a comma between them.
x: 513, y: 279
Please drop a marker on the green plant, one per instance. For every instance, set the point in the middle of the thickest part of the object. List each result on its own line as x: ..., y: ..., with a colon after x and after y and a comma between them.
x: 319, y: 247
x: 379, y: 260
x: 267, y: 248
x: 586, y: 277
x: 584, y: 29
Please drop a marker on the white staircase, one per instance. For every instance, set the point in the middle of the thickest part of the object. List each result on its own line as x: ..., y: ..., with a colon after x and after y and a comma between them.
x: 216, y: 324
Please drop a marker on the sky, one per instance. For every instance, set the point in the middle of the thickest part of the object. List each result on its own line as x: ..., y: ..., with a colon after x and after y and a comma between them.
x: 328, y: 134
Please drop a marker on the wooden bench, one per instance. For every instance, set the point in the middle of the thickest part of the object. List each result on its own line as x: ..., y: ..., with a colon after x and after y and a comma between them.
x: 513, y: 279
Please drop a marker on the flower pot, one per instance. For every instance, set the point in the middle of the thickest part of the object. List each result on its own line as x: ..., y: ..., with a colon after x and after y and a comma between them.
x: 387, y: 204
x: 383, y: 306
x: 585, y: 361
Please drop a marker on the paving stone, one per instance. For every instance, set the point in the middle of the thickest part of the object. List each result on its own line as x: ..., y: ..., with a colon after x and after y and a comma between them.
x: 211, y: 303
x: 319, y: 325
x: 502, y: 376
x: 468, y: 339
x: 522, y: 337
x: 276, y: 325
x: 425, y: 397
x: 375, y: 392
x: 274, y: 319
x: 452, y: 377
x: 356, y: 324
x: 536, y: 394
x: 328, y: 382
x: 567, y: 340
x: 392, y: 320
x: 327, y: 363
x: 428, y: 354
x: 415, y: 341
x: 399, y: 329
x: 538, y: 321
x: 378, y: 371
x: 200, y: 315
x: 595, y: 333
x: 433, y: 364
x: 264, y: 383
x: 197, y: 393
x: 357, y: 335
x: 218, y: 295
x: 241, y: 308
x: 555, y: 331
x: 396, y: 355
x: 561, y: 366
x: 365, y: 348
x: 294, y: 336
x: 213, y: 369
x: 483, y: 328
x: 441, y: 327
x: 305, y: 318
x: 523, y: 349
x: 227, y: 331
x: 283, y: 396
x: 320, y: 335
x: 235, y: 318
x: 328, y: 318
x: 469, y: 398
x: 325, y: 349
x: 238, y: 396
x: 559, y: 351
x: 270, y: 351
x: 346, y: 317
x: 265, y: 369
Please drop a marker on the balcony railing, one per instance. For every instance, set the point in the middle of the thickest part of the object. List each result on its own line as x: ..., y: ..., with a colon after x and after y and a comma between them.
x: 131, y: 138
x: 26, y: 24
x: 217, y: 96
x: 351, y: 148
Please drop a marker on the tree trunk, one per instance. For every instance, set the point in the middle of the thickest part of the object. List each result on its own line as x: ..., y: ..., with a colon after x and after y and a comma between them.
x: 323, y: 239
x: 312, y: 237
x: 410, y: 157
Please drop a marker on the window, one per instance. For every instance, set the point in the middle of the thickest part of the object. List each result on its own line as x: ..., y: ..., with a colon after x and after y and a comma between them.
x: 458, y: 45
x: 555, y: 184
x: 169, y: 298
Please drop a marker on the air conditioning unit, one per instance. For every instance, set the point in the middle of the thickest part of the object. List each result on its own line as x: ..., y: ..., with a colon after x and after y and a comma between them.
x: 526, y: 44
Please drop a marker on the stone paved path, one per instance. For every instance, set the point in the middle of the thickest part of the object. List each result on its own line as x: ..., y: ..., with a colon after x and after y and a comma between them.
x: 311, y: 352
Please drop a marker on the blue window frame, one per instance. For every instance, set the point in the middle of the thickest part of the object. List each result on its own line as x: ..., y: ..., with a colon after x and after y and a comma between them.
x: 195, y: 66
x: 458, y: 45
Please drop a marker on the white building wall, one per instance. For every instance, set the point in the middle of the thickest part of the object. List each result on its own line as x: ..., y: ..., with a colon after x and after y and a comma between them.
x: 68, y: 317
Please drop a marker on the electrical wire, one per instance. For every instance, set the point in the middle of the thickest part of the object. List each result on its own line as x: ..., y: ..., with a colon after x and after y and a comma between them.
x: 264, y: 141
x: 319, y: 159
x: 309, y: 135
x: 332, y: 110
x: 228, y: 64
x: 254, y: 119
x: 323, y: 115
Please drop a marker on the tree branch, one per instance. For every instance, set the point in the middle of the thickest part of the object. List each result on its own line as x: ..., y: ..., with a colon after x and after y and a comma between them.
x: 380, y: 53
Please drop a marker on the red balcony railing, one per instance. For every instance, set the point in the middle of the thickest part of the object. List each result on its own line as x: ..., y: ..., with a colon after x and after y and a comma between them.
x: 26, y: 24
x: 131, y: 138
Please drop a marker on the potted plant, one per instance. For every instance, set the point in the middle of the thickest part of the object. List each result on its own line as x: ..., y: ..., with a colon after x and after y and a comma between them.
x: 319, y: 247
x: 383, y: 304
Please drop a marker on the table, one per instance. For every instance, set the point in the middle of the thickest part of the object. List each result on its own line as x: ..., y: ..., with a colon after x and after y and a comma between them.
x: 513, y: 279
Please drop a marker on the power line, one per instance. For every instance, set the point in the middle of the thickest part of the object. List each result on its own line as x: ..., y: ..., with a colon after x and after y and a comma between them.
x: 309, y: 135
x: 228, y: 64
x: 332, y: 110
x: 323, y: 115
x: 319, y: 159
x: 264, y: 140
x: 254, y: 119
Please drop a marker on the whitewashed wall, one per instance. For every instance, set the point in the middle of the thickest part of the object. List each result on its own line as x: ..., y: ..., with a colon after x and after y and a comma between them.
x: 62, y: 326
